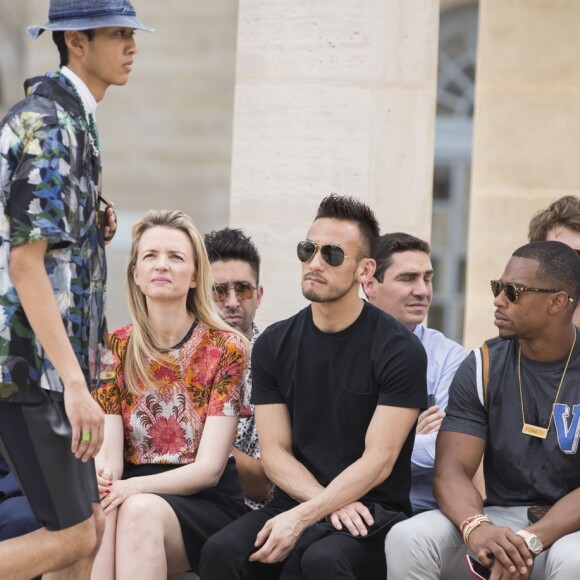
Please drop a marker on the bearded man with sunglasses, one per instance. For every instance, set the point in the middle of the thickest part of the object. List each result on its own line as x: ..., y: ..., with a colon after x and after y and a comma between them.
x: 337, y: 390
x: 235, y: 264
x: 516, y: 403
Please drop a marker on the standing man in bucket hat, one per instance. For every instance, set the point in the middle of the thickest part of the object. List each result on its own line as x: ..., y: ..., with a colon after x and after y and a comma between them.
x: 52, y: 275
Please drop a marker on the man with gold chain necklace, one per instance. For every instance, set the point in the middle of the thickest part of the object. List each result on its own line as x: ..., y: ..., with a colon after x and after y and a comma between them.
x: 516, y: 402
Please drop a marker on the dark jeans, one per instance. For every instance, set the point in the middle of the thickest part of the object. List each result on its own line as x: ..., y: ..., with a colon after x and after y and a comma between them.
x: 322, y: 553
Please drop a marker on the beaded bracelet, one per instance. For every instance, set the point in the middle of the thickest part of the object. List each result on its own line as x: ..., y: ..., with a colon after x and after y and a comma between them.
x: 472, y: 525
x: 468, y: 521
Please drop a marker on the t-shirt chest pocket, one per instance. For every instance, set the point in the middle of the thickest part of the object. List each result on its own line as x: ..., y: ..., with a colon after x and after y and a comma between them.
x: 357, y: 409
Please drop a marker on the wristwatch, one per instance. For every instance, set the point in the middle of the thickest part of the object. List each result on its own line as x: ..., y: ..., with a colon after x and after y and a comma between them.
x: 533, y: 543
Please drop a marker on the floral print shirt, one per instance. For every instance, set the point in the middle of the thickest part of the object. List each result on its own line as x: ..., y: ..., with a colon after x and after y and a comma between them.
x: 164, y: 426
x: 247, y: 437
x: 49, y: 176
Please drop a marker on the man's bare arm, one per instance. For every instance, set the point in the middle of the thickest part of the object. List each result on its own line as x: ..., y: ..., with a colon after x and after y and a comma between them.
x: 255, y: 483
x: 28, y: 273
x: 385, y: 436
x: 562, y: 519
x: 282, y: 468
x: 457, y: 459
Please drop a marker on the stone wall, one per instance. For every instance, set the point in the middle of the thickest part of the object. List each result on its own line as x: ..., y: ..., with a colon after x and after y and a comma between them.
x: 166, y: 136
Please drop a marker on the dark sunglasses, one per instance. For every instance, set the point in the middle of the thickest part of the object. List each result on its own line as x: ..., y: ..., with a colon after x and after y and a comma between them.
x: 512, y: 291
x: 243, y: 290
x: 332, y: 254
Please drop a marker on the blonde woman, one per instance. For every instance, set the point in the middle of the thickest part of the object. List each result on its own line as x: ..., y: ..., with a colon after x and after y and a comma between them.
x: 172, y: 393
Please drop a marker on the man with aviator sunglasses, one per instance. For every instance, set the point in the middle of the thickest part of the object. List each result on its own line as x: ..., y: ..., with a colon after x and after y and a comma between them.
x: 332, y: 254
x: 337, y: 390
x: 518, y: 407
x: 235, y: 264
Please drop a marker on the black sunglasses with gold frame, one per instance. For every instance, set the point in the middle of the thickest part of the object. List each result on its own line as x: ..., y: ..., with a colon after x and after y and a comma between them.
x: 513, y: 290
x: 333, y: 254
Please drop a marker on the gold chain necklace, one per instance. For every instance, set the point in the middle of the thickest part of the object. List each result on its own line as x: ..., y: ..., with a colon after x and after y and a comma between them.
x: 534, y: 430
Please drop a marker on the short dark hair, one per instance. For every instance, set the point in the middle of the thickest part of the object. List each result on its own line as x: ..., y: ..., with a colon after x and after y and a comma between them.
x: 58, y: 39
x: 559, y: 265
x: 563, y: 212
x: 396, y: 243
x: 353, y: 210
x: 232, y: 244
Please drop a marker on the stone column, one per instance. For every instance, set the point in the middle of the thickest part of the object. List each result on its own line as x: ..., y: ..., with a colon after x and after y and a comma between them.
x: 331, y: 96
x: 166, y: 136
x: 526, y: 135
x: 13, y: 53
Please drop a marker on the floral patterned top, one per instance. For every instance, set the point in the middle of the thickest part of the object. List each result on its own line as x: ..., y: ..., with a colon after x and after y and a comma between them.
x: 247, y: 437
x: 49, y: 178
x: 164, y: 426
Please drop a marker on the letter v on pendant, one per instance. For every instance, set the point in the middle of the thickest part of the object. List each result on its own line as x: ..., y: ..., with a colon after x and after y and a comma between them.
x: 568, y: 433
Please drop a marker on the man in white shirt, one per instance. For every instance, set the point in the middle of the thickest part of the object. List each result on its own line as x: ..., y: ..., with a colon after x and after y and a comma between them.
x: 402, y: 286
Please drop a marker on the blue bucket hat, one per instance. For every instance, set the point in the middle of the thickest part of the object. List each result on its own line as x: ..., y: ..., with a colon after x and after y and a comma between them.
x: 88, y: 14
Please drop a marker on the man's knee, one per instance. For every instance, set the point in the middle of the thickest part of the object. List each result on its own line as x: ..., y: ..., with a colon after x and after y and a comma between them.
x: 79, y: 541
x: 563, y: 560
x: 425, y: 546
x: 406, y: 544
x: 226, y: 553
x: 88, y: 535
x: 225, y: 544
x: 318, y: 564
x: 401, y: 538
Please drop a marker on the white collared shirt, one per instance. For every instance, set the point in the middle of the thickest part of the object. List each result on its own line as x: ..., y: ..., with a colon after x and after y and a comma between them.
x: 89, y: 102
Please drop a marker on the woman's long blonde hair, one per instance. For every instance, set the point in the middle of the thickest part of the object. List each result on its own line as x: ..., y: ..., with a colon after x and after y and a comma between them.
x: 142, y: 346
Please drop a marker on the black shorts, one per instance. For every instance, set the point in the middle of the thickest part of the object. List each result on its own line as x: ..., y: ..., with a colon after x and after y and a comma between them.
x: 35, y: 439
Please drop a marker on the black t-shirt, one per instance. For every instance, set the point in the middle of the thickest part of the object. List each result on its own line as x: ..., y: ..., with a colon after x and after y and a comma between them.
x: 332, y: 384
x: 520, y: 469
